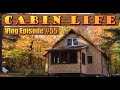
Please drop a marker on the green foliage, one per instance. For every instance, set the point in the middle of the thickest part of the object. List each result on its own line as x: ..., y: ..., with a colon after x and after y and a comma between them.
x: 13, y: 54
x: 27, y: 71
x: 116, y: 47
x: 23, y: 58
x: 115, y: 66
x: 39, y: 71
x: 112, y: 48
x: 111, y: 38
x: 19, y: 63
x: 116, y: 52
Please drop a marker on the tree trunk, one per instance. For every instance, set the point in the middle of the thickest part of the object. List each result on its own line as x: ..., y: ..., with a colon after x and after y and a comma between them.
x: 1, y: 36
x: 109, y: 65
x: 31, y: 47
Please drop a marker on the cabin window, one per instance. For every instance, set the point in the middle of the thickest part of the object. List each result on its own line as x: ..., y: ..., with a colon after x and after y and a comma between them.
x: 69, y: 42
x: 64, y: 57
x: 72, y: 42
x: 83, y: 58
x: 55, y: 58
x: 75, y: 42
x: 89, y: 59
x: 73, y: 57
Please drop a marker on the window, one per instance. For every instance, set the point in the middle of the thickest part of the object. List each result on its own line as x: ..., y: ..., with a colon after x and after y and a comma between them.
x: 72, y: 41
x: 73, y: 57
x: 83, y: 58
x: 75, y: 42
x: 89, y: 59
x: 69, y: 42
x: 64, y: 57
x: 55, y: 57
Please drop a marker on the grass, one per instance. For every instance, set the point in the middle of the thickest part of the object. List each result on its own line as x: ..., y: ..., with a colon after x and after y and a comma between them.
x: 25, y: 71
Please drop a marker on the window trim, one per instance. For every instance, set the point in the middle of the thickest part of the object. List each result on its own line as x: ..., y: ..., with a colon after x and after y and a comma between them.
x: 87, y: 59
x: 67, y: 58
x: 72, y: 42
x: 84, y: 58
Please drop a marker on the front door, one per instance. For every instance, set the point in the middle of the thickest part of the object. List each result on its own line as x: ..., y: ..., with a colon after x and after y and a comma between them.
x: 73, y: 57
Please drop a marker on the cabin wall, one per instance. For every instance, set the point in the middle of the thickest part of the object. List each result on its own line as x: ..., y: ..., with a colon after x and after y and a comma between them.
x: 84, y: 67
x: 105, y: 71
x: 64, y: 68
x: 95, y: 67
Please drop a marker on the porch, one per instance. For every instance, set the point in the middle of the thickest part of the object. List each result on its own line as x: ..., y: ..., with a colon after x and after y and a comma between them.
x: 65, y: 60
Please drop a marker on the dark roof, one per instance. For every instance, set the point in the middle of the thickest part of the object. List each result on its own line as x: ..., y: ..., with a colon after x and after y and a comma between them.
x: 69, y: 48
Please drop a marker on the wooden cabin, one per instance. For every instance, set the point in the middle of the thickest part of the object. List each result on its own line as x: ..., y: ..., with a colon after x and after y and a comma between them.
x: 74, y: 54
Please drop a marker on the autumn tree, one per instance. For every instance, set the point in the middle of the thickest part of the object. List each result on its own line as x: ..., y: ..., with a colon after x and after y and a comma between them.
x: 115, y: 58
x: 39, y: 48
x: 111, y: 45
x: 1, y: 35
x: 26, y: 55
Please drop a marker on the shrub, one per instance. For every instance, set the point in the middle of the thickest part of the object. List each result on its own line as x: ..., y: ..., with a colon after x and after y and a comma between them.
x: 39, y: 71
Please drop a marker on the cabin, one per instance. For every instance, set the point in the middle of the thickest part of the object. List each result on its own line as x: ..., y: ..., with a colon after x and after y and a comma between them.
x: 74, y: 54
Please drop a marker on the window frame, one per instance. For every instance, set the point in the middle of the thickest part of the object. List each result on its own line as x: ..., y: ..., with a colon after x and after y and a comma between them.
x: 72, y: 42
x: 83, y: 61
x: 55, y: 55
x: 89, y: 61
x: 75, y: 58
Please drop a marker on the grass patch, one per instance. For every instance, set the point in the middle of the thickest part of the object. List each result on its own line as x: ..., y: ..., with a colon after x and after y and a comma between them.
x: 24, y: 71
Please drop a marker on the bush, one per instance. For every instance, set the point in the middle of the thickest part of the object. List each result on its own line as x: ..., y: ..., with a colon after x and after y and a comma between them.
x: 22, y: 62
x: 26, y: 71
x: 15, y: 70
x: 39, y: 71
x: 23, y: 71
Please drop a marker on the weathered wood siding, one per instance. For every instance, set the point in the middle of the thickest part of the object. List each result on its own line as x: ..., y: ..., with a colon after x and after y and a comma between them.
x: 95, y: 68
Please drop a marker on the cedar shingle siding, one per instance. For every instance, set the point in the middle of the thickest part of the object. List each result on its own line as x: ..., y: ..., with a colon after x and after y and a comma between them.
x: 98, y: 65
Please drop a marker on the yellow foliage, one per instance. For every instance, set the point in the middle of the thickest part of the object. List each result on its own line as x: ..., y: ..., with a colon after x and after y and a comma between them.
x: 23, y: 42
